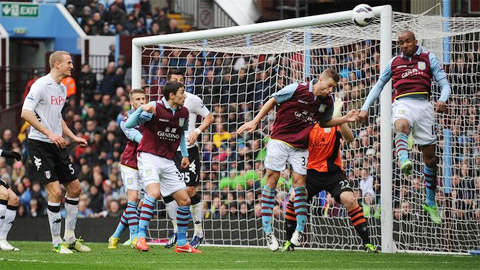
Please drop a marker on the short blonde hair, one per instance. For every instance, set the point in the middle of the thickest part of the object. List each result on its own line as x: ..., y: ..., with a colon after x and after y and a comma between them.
x: 136, y: 91
x: 56, y: 56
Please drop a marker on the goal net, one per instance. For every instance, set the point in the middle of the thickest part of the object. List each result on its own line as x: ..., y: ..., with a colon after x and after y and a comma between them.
x: 235, y: 75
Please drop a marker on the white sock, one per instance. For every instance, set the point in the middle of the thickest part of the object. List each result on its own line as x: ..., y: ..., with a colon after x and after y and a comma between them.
x: 197, y: 219
x: 71, y: 206
x: 55, y: 220
x: 10, y: 215
x: 172, y: 213
x: 3, y: 210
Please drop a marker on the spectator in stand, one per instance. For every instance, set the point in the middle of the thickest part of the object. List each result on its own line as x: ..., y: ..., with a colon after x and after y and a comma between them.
x: 155, y: 29
x: 72, y: 10
x: 87, y: 83
x: 366, y: 183
x: 7, y: 141
x: 140, y: 28
x: 172, y: 27
x: 120, y: 3
x: 98, y: 21
x: 101, y: 8
x: 138, y: 12
x: 83, y: 210
x: 130, y: 23
x: 115, y: 15
x: 36, y: 75
x: 162, y: 19
x: 86, y: 13
x: 120, y: 29
x: 111, y: 80
x: 122, y: 62
x: 18, y: 171
x: 69, y: 82
x: 105, y: 30
x: 146, y: 7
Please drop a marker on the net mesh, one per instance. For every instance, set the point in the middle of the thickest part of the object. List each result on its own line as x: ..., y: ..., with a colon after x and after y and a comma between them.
x: 235, y: 75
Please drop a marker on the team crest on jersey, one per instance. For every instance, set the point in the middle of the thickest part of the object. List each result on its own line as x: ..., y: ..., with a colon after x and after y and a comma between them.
x: 422, y: 65
x: 48, y: 174
x: 322, y: 108
x: 181, y: 122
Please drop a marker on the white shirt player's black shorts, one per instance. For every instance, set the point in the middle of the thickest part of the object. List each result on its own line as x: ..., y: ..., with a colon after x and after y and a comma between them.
x: 191, y: 174
x: 334, y: 182
x: 50, y: 162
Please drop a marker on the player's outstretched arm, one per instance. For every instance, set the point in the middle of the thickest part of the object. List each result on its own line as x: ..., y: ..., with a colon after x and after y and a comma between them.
x: 29, y: 116
x: 132, y: 134
x: 183, y: 148
x: 347, y: 133
x: 206, y: 122
x: 351, y: 116
x: 376, y: 90
x: 143, y: 114
x: 441, y: 78
x: 345, y: 130
x: 252, y: 125
x: 66, y: 130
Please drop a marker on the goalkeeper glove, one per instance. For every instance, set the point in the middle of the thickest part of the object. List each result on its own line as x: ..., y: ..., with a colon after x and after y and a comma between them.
x: 337, y: 108
x: 11, y: 154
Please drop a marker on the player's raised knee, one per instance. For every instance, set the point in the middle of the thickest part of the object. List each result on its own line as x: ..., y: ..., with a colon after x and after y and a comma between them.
x: 3, y: 193
x: 56, y: 194
x: 348, y: 200
x: 431, y: 161
x: 133, y: 197
x: 183, y: 201
x: 13, y: 200
x: 155, y: 194
x: 191, y: 191
x: 74, y: 191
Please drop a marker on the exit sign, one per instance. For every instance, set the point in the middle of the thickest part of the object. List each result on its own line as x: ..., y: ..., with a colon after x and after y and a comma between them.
x: 19, y: 10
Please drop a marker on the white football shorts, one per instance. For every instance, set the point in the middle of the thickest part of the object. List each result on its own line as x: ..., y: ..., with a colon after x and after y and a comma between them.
x: 420, y: 116
x: 155, y: 169
x: 131, y: 178
x: 279, y: 153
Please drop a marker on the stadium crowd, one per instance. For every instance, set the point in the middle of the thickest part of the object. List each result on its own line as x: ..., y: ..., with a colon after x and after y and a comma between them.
x: 123, y: 17
x: 234, y: 87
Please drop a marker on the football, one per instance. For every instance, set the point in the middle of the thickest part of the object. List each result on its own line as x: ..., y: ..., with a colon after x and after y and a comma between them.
x: 362, y: 15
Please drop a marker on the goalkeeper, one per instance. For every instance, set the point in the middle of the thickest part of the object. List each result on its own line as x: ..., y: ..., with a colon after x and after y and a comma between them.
x: 325, y: 172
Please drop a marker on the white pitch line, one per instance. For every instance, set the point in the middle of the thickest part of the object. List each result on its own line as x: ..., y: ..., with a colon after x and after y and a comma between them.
x: 21, y: 260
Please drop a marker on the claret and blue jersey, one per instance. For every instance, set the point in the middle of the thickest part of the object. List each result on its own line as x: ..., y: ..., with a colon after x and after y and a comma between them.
x: 163, y: 131
x: 411, y: 77
x: 299, y: 110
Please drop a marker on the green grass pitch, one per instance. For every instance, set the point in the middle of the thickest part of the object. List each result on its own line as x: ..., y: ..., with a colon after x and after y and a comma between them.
x: 38, y: 256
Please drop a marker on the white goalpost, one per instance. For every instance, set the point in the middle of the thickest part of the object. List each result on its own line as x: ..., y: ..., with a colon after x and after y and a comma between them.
x: 235, y: 69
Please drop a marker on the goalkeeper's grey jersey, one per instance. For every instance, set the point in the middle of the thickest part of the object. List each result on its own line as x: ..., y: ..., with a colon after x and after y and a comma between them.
x: 46, y: 99
x: 195, y: 108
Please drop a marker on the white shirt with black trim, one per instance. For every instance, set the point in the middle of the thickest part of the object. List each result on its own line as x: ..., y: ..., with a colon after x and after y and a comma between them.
x: 195, y: 107
x: 46, y: 99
